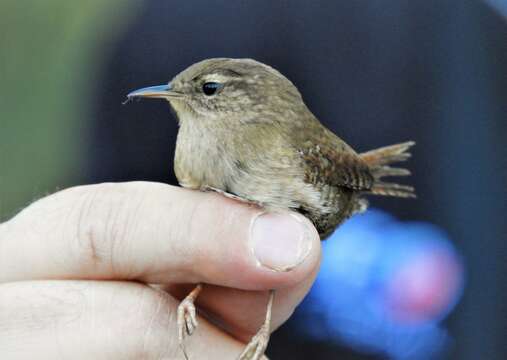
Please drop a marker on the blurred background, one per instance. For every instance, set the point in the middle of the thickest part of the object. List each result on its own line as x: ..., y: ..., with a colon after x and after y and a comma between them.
x: 422, y: 279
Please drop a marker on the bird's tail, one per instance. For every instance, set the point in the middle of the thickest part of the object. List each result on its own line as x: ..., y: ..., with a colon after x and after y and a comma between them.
x: 379, y: 159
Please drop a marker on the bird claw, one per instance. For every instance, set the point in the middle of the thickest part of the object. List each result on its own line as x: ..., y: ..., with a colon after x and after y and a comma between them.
x: 229, y: 195
x: 254, y: 350
x: 187, y: 321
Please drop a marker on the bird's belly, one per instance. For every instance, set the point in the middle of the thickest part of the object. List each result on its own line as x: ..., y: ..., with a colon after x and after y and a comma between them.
x: 268, y: 182
x: 326, y: 208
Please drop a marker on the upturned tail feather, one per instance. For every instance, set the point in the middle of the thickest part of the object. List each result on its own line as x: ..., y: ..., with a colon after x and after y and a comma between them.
x: 379, y: 159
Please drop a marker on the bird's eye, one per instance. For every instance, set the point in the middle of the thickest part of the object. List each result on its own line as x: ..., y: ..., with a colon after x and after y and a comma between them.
x: 211, y: 88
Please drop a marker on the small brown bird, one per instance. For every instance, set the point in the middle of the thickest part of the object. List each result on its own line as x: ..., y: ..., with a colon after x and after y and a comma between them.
x: 245, y: 132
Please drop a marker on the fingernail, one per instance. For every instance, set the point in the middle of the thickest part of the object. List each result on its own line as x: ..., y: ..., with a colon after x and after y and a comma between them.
x: 281, y: 241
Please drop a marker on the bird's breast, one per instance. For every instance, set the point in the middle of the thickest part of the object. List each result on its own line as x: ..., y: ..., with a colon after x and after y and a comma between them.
x: 201, y: 159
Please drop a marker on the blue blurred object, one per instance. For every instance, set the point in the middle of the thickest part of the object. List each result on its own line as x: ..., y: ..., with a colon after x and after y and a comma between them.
x: 384, y: 287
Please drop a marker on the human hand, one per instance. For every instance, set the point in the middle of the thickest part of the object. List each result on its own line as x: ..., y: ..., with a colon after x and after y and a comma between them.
x: 77, y: 270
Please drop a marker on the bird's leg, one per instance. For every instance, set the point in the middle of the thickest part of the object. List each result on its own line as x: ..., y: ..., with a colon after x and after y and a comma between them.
x: 254, y: 350
x: 187, y: 318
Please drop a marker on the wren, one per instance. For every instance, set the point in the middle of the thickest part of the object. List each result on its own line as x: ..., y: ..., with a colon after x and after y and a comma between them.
x: 246, y: 132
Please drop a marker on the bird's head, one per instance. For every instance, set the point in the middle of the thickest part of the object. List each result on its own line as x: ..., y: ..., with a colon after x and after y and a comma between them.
x: 223, y: 88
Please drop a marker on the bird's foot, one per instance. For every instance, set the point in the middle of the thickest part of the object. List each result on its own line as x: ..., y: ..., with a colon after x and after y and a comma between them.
x: 187, y: 318
x: 255, y: 349
x: 257, y: 345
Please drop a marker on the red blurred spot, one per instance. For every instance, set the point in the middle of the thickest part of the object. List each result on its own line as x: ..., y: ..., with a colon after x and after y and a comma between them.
x: 424, y: 288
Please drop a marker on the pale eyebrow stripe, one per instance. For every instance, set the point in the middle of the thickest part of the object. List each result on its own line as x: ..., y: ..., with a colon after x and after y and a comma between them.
x: 222, y: 74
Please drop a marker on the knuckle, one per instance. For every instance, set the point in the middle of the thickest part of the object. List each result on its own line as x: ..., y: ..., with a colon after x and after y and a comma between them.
x: 150, y: 324
x: 103, y: 219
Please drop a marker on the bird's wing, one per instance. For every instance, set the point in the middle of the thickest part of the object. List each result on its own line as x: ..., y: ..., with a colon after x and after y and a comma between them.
x: 336, y: 166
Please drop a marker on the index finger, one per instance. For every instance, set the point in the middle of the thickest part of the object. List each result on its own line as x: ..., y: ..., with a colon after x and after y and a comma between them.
x: 159, y: 234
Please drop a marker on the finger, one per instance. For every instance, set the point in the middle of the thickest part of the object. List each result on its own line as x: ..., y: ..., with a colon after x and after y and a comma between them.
x: 241, y: 312
x: 99, y: 320
x: 159, y: 234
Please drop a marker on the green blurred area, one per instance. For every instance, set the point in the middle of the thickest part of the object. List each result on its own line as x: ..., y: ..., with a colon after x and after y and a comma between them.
x: 50, y: 52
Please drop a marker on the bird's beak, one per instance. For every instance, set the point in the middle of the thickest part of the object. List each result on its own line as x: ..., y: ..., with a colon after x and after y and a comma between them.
x: 159, y: 91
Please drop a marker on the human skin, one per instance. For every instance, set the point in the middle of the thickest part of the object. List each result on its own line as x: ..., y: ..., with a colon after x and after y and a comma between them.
x: 96, y: 271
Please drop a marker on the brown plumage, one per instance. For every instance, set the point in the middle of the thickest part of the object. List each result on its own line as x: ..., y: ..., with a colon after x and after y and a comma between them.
x: 245, y: 131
